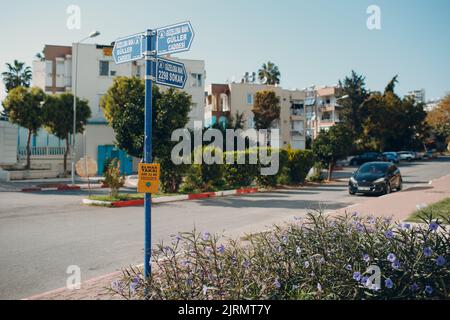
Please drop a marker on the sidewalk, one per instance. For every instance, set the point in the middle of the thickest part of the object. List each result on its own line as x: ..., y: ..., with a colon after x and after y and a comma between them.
x: 399, y: 205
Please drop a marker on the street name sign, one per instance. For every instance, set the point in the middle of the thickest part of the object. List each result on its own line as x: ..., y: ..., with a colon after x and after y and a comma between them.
x: 128, y: 49
x: 148, y: 178
x: 174, y: 38
x: 170, y: 73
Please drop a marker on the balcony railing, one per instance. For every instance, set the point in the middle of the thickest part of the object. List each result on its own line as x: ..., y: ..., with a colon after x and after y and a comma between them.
x: 42, y: 152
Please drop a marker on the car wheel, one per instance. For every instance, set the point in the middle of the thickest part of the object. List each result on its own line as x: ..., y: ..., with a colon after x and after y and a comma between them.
x: 387, y: 189
x: 351, y: 192
x: 400, y: 186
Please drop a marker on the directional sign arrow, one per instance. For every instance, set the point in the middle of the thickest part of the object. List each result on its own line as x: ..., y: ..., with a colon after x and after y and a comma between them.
x: 128, y: 49
x: 170, y: 73
x: 174, y: 38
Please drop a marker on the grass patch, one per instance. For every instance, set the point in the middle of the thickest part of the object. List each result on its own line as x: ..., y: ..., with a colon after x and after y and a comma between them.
x: 438, y: 210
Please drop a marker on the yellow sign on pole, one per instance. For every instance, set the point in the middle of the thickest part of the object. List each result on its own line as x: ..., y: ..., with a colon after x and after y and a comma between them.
x: 148, y: 178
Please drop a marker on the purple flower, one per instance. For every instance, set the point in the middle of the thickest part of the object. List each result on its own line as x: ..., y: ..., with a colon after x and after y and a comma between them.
x: 221, y: 249
x: 189, y: 282
x: 206, y: 236
x: 284, y: 239
x: 391, y: 257
x: 366, y: 258
x: 434, y: 226
x: 440, y: 261
x: 205, y: 290
x: 364, y: 280
x: 185, y: 263
x: 427, y: 252
x: 306, y: 264
x: 277, y: 284
x: 134, y: 284
x: 319, y: 287
x: 388, y: 283
x: 428, y: 290
x: 298, y: 250
x: 406, y: 226
x: 349, y: 267
x: 246, y: 264
x: 389, y: 234
x: 414, y: 287
x: 359, y: 227
x: 208, y: 251
x: 396, y: 265
x: 357, y: 276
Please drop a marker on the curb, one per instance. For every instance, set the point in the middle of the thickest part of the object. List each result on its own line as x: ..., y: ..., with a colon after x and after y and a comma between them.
x: 64, y: 187
x: 188, y: 197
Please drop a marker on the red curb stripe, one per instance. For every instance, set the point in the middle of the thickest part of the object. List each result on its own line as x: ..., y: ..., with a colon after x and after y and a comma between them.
x: 31, y: 189
x: 67, y: 188
x: 130, y: 203
x: 247, y: 190
x: 201, y: 195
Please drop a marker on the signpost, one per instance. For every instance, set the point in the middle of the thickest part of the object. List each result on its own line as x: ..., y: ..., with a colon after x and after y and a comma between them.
x: 128, y: 49
x: 170, y: 73
x: 174, y: 38
x: 150, y: 45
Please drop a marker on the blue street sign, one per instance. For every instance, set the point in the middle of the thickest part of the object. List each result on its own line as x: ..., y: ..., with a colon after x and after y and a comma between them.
x: 174, y: 38
x: 170, y: 73
x: 128, y: 49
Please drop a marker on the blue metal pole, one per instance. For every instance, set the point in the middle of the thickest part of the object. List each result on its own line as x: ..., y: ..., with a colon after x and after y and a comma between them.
x: 149, y: 57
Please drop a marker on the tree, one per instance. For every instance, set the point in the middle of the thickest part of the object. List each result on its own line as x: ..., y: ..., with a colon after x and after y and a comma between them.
x: 17, y: 75
x: 123, y: 106
x: 266, y: 109
x: 353, y: 88
x: 269, y: 73
x: 392, y: 123
x: 24, y: 108
x: 332, y: 145
x: 58, y: 117
x: 439, y: 120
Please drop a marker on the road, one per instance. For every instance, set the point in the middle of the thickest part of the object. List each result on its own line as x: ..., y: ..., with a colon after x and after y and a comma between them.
x: 41, y: 234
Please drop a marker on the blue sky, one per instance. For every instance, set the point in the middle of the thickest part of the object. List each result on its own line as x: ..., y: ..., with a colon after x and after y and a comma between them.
x: 313, y: 42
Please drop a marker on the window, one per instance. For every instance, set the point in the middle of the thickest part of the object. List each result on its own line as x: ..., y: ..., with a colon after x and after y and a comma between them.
x: 104, y: 68
x: 249, y: 99
x: 224, y: 102
x: 298, y: 108
x: 197, y: 80
x: 326, y: 116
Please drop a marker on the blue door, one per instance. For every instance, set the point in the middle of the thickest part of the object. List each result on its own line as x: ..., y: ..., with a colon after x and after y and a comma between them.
x: 108, y: 152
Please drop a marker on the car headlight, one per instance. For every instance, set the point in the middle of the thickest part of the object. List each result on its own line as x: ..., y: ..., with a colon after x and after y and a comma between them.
x: 381, y: 180
x: 353, y: 180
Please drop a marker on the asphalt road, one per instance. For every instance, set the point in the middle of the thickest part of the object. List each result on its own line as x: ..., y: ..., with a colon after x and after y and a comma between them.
x: 41, y: 234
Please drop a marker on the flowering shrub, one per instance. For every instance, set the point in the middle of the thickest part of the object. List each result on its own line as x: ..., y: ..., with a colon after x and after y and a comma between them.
x: 313, y: 258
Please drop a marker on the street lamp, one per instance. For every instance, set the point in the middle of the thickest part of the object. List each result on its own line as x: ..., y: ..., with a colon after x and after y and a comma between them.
x: 91, y: 35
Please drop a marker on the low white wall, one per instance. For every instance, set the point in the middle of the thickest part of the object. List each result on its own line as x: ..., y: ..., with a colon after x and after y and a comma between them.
x: 8, y: 143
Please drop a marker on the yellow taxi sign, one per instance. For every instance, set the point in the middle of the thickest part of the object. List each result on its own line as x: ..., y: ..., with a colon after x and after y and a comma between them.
x: 148, y: 178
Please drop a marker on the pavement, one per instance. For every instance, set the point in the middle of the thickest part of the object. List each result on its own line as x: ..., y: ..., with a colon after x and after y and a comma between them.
x: 40, y: 244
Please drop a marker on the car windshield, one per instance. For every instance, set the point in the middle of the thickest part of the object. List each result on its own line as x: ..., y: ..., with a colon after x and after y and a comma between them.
x: 373, y: 168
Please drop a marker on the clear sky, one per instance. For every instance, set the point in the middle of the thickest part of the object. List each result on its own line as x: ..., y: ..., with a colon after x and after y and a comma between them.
x: 313, y: 42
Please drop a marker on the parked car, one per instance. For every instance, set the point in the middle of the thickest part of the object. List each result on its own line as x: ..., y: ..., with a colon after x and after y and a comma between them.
x: 392, y: 156
x: 407, y: 156
x: 376, y: 178
x: 430, y: 155
x: 367, y: 157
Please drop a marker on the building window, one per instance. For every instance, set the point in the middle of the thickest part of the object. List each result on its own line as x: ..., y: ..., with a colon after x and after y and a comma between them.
x: 326, y: 116
x: 197, y: 80
x: 104, y: 68
x: 224, y: 102
x: 250, y: 99
x: 298, y: 109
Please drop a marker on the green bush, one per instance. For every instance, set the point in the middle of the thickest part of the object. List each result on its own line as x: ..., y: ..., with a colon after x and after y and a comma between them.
x: 298, y: 164
x: 273, y: 180
x: 203, y: 177
x: 240, y: 175
x: 113, y: 178
x: 317, y: 257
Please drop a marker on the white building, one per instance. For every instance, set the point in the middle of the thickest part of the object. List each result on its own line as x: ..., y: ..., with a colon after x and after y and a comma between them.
x: 96, y: 71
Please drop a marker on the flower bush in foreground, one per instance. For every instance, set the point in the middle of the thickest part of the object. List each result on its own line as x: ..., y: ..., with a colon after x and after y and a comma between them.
x: 317, y: 257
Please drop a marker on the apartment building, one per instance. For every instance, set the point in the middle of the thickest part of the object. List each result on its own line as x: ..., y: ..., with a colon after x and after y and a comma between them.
x: 322, y: 109
x: 418, y: 95
x: 95, y: 74
x: 223, y: 101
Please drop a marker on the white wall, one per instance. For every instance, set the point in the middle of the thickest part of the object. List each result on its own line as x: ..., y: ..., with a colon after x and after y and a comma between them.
x: 8, y: 143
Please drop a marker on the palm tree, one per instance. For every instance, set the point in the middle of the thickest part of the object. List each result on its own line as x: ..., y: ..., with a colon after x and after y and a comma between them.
x: 269, y: 74
x: 18, y: 75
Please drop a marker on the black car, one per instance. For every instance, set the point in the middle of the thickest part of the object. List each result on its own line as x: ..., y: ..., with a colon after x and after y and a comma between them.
x: 376, y: 178
x: 367, y: 157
